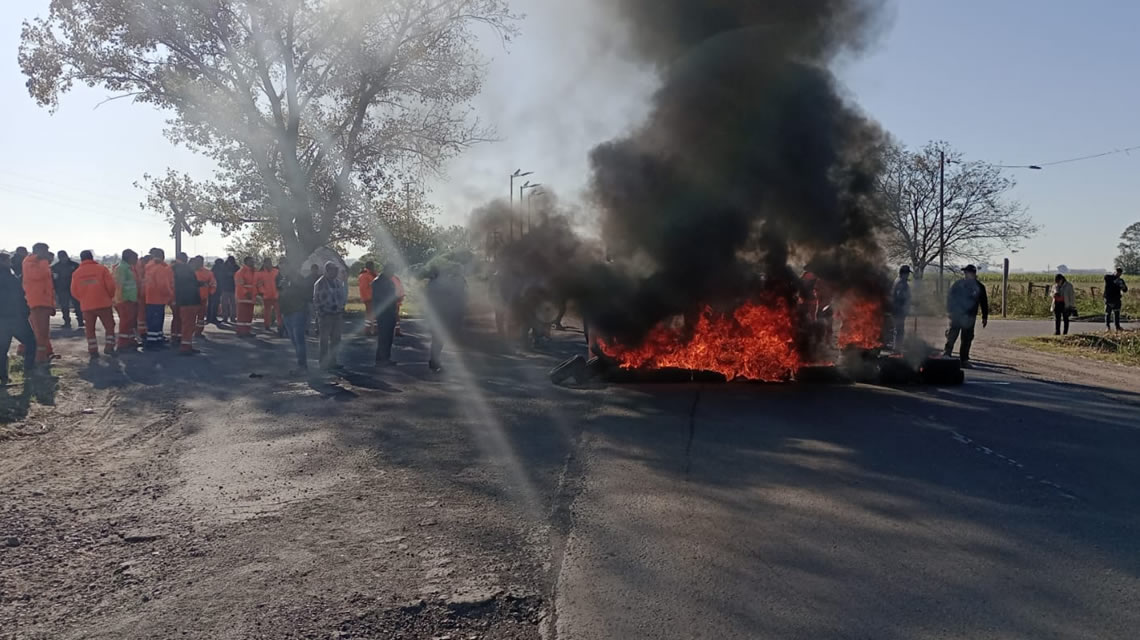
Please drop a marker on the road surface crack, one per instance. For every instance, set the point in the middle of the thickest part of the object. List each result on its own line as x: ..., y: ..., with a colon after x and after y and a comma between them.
x: 692, y: 433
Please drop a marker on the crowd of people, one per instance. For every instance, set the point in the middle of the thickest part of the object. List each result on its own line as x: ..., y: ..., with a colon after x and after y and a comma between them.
x: 130, y: 302
x: 967, y: 297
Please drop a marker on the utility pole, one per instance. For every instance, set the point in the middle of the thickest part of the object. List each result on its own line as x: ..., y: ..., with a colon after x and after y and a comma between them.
x: 941, y: 221
x: 179, y: 225
x: 517, y: 174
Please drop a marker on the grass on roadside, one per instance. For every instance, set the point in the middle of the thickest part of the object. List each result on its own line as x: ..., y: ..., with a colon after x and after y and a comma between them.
x: 1120, y: 348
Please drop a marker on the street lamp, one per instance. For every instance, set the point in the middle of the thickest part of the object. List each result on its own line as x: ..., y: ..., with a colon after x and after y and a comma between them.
x: 517, y: 174
x: 530, y: 205
x: 526, y: 187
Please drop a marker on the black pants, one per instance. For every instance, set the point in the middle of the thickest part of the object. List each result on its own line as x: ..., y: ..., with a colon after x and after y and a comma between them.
x: 1061, y: 318
x: 66, y: 304
x: 20, y: 329
x: 963, y: 326
x: 385, y: 335
x: 212, y: 307
x: 1112, y: 310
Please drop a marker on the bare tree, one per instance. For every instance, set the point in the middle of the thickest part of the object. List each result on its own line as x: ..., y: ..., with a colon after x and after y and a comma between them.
x: 308, y: 107
x: 980, y: 218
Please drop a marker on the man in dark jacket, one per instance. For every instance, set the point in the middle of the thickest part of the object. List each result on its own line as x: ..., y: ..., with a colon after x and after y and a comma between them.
x: 296, y: 296
x: 18, y: 261
x: 385, y: 310
x: 14, y: 320
x: 61, y: 276
x: 187, y: 301
x: 1114, y: 290
x: 966, y: 298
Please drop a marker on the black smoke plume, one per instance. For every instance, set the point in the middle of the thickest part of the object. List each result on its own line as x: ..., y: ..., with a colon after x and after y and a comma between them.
x: 750, y: 159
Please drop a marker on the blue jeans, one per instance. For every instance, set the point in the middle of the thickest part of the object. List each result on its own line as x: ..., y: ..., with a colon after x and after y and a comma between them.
x: 295, y: 326
x: 155, y: 319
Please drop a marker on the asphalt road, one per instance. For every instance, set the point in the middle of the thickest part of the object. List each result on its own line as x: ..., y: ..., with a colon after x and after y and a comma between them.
x: 384, y: 502
x: 1006, y: 508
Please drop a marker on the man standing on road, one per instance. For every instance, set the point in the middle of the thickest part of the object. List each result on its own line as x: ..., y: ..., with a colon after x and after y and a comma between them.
x: 127, y: 300
x: 61, y: 273
x: 227, y: 291
x: 1064, y: 302
x: 18, y: 258
x: 14, y: 320
x: 40, y: 294
x: 159, y: 295
x: 267, y: 287
x: 209, y: 292
x: 188, y: 302
x: 966, y: 298
x: 140, y: 278
x: 384, y: 308
x: 364, y: 282
x: 245, y: 287
x: 329, y: 297
x: 1114, y: 289
x: 900, y: 305
x: 93, y: 286
x: 296, y: 296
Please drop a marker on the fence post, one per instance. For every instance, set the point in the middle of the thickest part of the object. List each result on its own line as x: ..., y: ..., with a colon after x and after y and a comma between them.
x: 1004, y: 286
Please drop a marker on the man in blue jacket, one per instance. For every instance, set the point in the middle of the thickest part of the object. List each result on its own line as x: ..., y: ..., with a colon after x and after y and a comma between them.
x: 965, y: 299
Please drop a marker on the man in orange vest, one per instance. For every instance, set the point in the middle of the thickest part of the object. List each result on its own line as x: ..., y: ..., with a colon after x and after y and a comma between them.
x: 267, y: 287
x: 159, y: 294
x: 140, y: 278
x: 208, y: 289
x: 245, y: 290
x: 367, y: 275
x: 94, y: 287
x: 127, y: 299
x: 40, y: 293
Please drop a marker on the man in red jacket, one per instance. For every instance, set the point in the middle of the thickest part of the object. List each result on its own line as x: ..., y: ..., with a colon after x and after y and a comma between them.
x: 94, y: 287
x: 159, y: 295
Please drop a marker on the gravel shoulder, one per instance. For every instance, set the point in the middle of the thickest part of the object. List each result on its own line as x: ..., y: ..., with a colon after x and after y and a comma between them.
x: 214, y: 497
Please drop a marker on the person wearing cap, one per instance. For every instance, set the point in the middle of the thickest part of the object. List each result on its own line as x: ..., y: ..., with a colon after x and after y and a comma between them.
x: 965, y: 299
x: 900, y: 304
x: 329, y: 297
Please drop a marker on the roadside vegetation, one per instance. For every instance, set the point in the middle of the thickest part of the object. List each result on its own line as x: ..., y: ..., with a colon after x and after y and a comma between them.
x: 1120, y: 348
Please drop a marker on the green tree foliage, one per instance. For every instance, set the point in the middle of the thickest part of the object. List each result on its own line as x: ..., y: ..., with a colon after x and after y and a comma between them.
x: 312, y: 110
x: 1129, y: 258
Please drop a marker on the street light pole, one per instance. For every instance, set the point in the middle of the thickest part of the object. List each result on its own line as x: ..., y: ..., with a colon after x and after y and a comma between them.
x: 941, y: 221
x: 523, y: 189
x: 530, y: 207
x: 517, y: 174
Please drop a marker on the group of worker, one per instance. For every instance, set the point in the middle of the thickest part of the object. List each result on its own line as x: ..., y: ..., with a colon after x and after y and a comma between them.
x: 140, y: 289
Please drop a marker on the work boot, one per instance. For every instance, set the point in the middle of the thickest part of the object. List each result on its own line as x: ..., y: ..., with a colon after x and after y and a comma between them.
x: 435, y: 366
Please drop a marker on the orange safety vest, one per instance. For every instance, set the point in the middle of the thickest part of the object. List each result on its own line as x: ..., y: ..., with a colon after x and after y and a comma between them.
x: 93, y: 286
x: 207, y: 276
x: 366, y: 278
x: 245, y: 284
x: 267, y: 283
x: 38, y: 287
x: 140, y: 277
x: 159, y: 283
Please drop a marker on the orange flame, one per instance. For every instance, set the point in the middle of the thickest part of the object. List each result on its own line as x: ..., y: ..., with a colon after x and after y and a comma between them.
x: 861, y: 324
x: 754, y: 342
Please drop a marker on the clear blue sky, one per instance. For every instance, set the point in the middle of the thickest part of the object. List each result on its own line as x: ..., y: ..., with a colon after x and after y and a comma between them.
x: 1011, y: 81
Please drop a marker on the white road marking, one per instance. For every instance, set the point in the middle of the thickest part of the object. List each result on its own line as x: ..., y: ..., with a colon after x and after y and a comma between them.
x: 990, y: 452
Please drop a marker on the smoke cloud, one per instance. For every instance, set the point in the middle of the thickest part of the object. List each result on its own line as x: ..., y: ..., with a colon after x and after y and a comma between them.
x: 750, y: 158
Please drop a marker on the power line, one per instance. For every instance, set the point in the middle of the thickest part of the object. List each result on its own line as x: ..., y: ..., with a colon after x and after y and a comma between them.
x: 1091, y: 157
